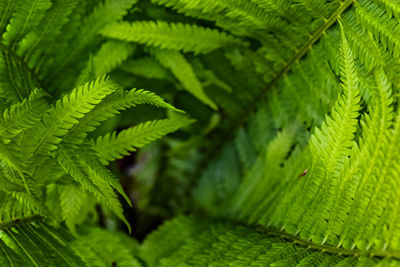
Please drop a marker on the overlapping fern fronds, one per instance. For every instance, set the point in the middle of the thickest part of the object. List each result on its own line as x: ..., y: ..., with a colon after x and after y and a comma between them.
x: 32, y: 141
x: 296, y: 152
x: 49, y: 170
x: 332, y: 189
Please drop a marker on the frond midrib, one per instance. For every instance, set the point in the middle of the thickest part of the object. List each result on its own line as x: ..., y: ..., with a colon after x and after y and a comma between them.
x: 299, y: 54
x: 313, y: 39
x: 249, y: 110
x: 324, y: 248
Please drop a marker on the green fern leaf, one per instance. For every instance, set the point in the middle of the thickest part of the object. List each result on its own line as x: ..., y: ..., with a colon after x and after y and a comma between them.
x: 225, y: 12
x: 111, y: 106
x: 183, y: 71
x: 67, y: 113
x: 23, y: 115
x: 206, y: 242
x: 112, y: 146
x: 28, y: 15
x: 147, y: 67
x: 174, y: 36
x: 71, y: 200
x: 110, y: 55
x: 392, y: 7
x: 111, y: 247
x: 384, y: 30
x: 104, y: 13
x: 90, y: 178
x: 34, y: 45
x: 6, y: 11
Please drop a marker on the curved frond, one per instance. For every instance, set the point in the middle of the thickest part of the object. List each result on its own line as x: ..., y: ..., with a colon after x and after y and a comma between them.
x: 114, y: 146
x: 111, y: 106
x: 67, y: 112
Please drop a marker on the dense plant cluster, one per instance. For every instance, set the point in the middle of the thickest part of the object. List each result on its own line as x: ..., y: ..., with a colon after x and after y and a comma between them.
x: 268, y: 133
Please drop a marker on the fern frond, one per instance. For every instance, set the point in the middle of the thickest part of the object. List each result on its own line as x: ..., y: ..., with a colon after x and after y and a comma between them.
x: 392, y: 7
x: 34, y: 45
x: 28, y: 15
x: 30, y: 203
x: 89, y: 177
x: 32, y: 242
x: 15, y: 77
x: 23, y: 115
x: 225, y: 12
x: 112, y: 146
x: 265, y: 172
x: 374, y: 18
x: 103, y: 14
x: 174, y: 36
x: 67, y: 112
x: 207, y: 242
x: 362, y: 43
x: 8, y: 155
x: 94, y: 167
x: 147, y: 67
x: 369, y: 157
x: 300, y: 165
x: 71, y: 200
x: 344, y: 115
x: 68, y: 162
x: 183, y: 71
x: 28, y: 240
x: 111, y: 106
x: 6, y: 11
x: 306, y: 202
x: 110, y: 55
x: 111, y: 247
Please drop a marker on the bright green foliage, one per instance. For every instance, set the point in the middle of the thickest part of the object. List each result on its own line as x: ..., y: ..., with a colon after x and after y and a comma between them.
x: 112, y: 146
x: 67, y: 112
x: 111, y: 106
x: 50, y: 171
x: 110, y: 55
x: 22, y: 244
x: 36, y: 134
x: 28, y: 15
x: 313, y: 173
x: 200, y: 242
x: 109, y: 247
x: 293, y: 160
x: 184, y: 37
x: 184, y: 73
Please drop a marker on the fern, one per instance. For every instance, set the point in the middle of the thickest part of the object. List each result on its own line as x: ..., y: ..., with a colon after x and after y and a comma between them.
x: 45, y: 178
x: 188, y: 38
x: 184, y: 73
x: 110, y: 106
x: 22, y: 116
x: 27, y: 16
x: 113, y: 146
x: 66, y: 113
x: 203, y: 242
x: 293, y: 159
x: 110, y: 55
